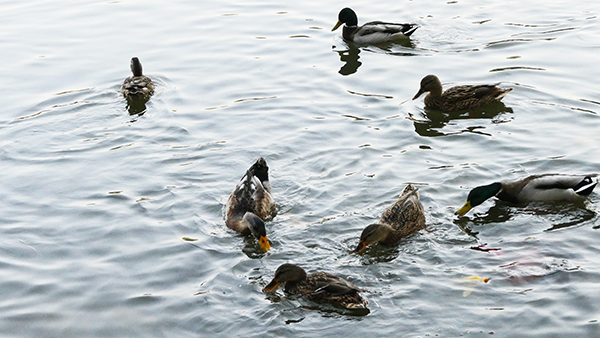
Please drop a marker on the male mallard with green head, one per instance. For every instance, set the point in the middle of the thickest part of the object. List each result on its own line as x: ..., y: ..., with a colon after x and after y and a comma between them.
x: 542, y: 188
x: 251, y: 203
x: 459, y: 97
x: 400, y: 220
x: 319, y: 287
x: 375, y: 32
x: 137, y: 85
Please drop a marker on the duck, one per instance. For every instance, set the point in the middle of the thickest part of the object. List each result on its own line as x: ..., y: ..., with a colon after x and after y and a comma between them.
x: 251, y: 203
x: 319, y: 287
x: 137, y: 85
x: 534, y: 188
x: 375, y: 32
x: 403, y: 218
x: 459, y: 97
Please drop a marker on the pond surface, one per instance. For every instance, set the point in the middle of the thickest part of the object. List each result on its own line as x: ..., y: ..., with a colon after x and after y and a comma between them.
x: 100, y: 207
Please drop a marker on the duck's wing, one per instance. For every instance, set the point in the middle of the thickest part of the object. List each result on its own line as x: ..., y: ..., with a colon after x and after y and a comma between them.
x: 137, y: 85
x: 335, y: 285
x: 407, y: 210
x: 375, y: 27
x: 240, y: 201
x: 554, y: 187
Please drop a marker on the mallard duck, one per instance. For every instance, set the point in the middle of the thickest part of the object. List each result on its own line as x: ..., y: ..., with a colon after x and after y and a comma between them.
x: 251, y: 203
x: 319, y: 287
x: 374, y: 32
x: 400, y: 220
x: 137, y: 85
x: 459, y: 97
x: 546, y: 187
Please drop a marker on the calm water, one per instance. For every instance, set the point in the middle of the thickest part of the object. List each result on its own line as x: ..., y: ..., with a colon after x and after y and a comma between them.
x: 96, y: 203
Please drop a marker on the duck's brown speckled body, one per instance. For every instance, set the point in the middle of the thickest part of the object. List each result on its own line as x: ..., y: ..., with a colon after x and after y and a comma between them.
x: 138, y: 85
x: 319, y: 287
x: 400, y: 220
x: 251, y: 203
x: 459, y: 97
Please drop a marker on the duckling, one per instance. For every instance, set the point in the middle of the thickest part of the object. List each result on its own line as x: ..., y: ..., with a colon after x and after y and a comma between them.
x: 375, y: 32
x: 545, y: 187
x: 400, y: 220
x: 251, y: 203
x: 459, y: 97
x: 319, y: 287
x: 137, y: 85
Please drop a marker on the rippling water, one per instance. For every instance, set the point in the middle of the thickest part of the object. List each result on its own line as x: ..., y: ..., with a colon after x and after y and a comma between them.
x: 99, y: 206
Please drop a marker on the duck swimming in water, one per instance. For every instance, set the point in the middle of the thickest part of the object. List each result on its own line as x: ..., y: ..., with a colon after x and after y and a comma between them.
x: 459, y: 97
x: 400, y: 220
x: 375, y: 32
x: 319, y: 287
x: 251, y: 203
x: 137, y: 85
x: 542, y: 188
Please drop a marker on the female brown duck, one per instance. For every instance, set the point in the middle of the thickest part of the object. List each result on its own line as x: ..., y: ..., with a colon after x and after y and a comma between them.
x: 400, y: 220
x: 459, y: 97
x: 137, y: 85
x: 251, y: 203
x: 319, y: 287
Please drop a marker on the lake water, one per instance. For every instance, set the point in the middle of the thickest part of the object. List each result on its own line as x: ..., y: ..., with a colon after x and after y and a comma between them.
x: 99, y: 206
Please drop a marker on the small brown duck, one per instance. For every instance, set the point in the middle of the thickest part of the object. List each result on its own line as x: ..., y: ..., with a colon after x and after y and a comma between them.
x: 540, y: 188
x: 251, y: 203
x: 459, y: 97
x: 138, y: 85
x: 319, y: 287
x: 400, y: 220
x: 375, y: 32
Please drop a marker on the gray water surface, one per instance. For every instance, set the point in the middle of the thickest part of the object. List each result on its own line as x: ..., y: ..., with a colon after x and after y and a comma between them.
x: 112, y: 225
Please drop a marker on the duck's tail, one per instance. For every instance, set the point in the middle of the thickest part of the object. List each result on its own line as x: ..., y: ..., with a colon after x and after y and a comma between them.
x: 586, y: 186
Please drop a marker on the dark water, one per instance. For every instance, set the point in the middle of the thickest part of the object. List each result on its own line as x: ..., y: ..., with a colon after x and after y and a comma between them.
x: 97, y: 204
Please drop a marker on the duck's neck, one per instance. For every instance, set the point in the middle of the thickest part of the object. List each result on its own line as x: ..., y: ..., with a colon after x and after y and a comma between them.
x: 434, y: 98
x: 348, y: 32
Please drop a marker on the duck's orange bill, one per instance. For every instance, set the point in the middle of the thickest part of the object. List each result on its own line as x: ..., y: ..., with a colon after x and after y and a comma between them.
x: 361, y: 246
x: 271, y: 286
x: 264, y: 243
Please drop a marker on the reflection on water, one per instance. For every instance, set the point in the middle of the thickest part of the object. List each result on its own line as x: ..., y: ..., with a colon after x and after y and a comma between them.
x: 351, y: 55
x: 136, y: 106
x: 433, y: 120
x: 559, y: 215
x: 350, y: 58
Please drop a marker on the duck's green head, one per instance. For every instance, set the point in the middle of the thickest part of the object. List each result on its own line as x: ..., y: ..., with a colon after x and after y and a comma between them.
x: 479, y: 195
x: 346, y: 16
x: 257, y: 228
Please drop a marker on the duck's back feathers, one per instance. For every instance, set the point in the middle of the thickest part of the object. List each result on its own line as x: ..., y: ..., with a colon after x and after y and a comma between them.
x: 549, y: 187
x: 378, y: 32
x: 467, y: 96
x: 406, y: 215
x: 137, y: 85
x: 252, y: 194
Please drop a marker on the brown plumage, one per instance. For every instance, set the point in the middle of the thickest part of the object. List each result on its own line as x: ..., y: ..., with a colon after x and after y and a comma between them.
x: 459, y: 97
x: 137, y: 85
x: 400, y: 220
x: 319, y: 287
x: 251, y: 203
